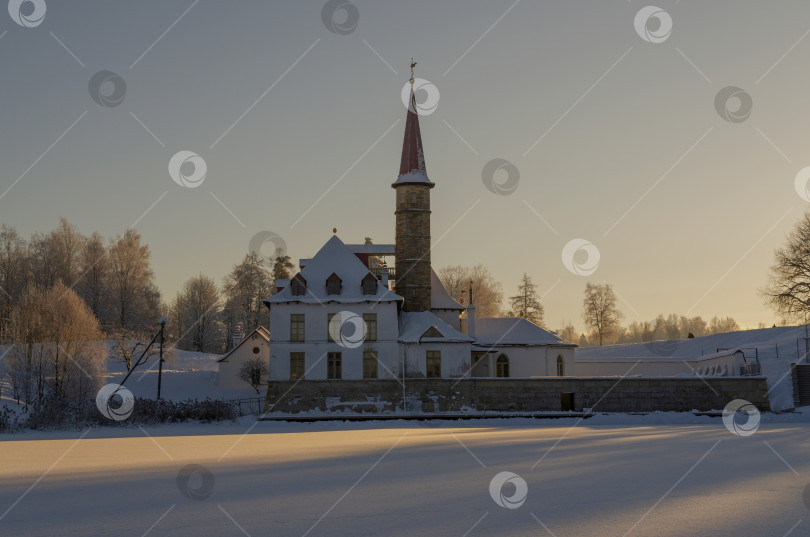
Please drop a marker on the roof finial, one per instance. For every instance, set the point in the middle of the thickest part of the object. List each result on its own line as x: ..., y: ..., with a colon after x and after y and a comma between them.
x: 413, y: 64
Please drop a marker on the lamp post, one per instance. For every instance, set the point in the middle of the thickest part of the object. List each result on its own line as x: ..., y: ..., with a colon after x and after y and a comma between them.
x: 162, y: 339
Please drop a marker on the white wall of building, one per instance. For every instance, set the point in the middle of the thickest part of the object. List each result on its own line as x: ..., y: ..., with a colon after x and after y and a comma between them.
x: 316, y: 344
x: 228, y: 369
x: 455, y: 358
x: 527, y: 361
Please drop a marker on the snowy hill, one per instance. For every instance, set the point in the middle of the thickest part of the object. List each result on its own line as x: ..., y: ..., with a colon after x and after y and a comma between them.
x: 186, y: 375
x: 776, y: 349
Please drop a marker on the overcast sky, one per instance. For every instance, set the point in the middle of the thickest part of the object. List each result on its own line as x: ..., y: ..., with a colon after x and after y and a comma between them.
x: 616, y: 130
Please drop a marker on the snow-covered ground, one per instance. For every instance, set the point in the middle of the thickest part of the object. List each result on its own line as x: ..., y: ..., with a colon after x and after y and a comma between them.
x: 186, y: 375
x: 777, y: 349
x: 583, y: 478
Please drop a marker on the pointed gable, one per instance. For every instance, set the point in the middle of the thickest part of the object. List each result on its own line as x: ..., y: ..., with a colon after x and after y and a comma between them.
x: 432, y: 332
x: 333, y: 260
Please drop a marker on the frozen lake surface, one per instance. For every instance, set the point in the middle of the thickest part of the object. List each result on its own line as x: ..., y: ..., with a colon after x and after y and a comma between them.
x: 583, y: 478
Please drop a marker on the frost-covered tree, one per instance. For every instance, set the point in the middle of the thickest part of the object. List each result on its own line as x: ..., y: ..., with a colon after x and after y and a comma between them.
x: 244, y: 289
x: 57, y: 353
x: 195, y: 314
x: 601, y: 314
x: 568, y: 333
x: 135, y: 298
x: 788, y: 289
x: 526, y: 303
x: 487, y: 292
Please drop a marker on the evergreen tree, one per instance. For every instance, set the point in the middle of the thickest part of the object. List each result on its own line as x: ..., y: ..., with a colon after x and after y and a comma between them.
x: 526, y: 303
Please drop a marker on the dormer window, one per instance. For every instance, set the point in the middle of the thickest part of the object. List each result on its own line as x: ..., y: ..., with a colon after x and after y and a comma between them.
x: 298, y: 285
x: 333, y: 284
x: 369, y: 284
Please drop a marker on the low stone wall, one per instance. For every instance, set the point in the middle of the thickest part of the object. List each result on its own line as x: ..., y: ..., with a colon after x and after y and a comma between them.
x: 514, y: 395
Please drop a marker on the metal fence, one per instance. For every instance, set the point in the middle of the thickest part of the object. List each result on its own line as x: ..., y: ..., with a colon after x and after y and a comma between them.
x: 248, y: 406
x: 750, y: 370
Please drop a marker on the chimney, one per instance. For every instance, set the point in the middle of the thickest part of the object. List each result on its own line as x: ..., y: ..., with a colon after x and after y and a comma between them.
x: 238, y: 334
x: 384, y: 276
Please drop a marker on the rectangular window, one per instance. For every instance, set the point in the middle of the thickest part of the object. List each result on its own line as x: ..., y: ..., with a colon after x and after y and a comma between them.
x: 434, y: 364
x: 297, y: 369
x: 329, y: 317
x: 297, y: 326
x: 334, y: 369
x: 371, y: 326
x: 370, y: 364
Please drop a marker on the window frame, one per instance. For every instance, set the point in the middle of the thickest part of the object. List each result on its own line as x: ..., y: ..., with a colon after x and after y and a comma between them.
x: 371, y: 281
x: 560, y: 365
x: 334, y: 279
x: 433, y: 364
x: 368, y: 356
x: 502, y: 368
x: 298, y: 323
x: 334, y: 365
x: 370, y: 319
x: 294, y: 365
x: 298, y: 285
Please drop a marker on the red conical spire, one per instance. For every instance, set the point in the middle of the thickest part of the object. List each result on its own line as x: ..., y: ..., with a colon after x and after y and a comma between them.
x: 412, y: 165
x: 413, y: 156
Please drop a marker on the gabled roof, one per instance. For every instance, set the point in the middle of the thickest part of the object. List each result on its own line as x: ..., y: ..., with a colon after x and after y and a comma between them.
x: 260, y: 331
x: 334, y: 257
x: 412, y: 165
x: 413, y: 326
x: 514, y: 331
x: 440, y: 299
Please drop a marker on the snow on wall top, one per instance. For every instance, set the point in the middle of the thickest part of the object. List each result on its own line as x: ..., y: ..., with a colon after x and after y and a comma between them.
x: 334, y: 257
x: 513, y: 331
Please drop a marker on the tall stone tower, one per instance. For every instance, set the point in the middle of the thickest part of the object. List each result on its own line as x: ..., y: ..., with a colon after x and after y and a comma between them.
x: 412, y: 251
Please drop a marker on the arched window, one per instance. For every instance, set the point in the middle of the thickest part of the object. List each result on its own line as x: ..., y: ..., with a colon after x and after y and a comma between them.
x: 502, y: 366
x: 560, y: 366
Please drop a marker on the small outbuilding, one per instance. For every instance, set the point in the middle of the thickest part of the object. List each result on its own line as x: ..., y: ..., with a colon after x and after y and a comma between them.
x: 255, y: 345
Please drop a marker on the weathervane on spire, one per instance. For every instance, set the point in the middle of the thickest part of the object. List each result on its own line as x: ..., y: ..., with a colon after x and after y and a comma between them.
x: 413, y: 64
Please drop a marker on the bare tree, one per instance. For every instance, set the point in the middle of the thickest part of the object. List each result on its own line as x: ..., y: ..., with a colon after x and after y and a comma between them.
x: 245, y: 287
x: 723, y: 325
x: 788, y: 288
x: 12, y: 273
x: 93, y: 284
x: 136, y: 298
x: 568, y: 333
x: 196, y: 309
x: 57, y: 354
x: 487, y: 292
x: 252, y: 372
x: 600, y: 311
x: 526, y: 303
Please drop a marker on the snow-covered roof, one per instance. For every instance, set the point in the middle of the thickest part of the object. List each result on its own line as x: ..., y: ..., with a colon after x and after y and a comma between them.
x: 413, y: 176
x: 260, y: 331
x: 414, y: 324
x: 372, y: 249
x: 440, y: 299
x: 513, y: 331
x: 334, y: 257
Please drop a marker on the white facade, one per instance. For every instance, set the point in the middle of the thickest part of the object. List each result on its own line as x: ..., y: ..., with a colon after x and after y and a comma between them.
x: 367, y: 323
x: 255, y: 345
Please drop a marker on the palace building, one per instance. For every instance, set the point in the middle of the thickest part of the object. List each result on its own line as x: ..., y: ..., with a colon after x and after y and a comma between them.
x: 345, y: 316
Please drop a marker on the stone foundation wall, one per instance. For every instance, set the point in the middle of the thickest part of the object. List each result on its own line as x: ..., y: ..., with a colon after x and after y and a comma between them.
x: 515, y: 395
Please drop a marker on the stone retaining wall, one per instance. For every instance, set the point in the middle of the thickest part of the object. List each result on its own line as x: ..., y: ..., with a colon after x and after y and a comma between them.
x: 515, y: 395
